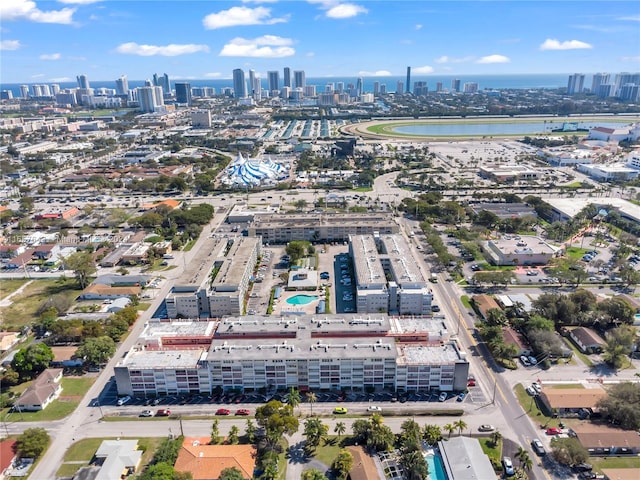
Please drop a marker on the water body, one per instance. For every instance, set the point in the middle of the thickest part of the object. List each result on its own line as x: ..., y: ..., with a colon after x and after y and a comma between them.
x: 301, y: 299
x: 490, y: 129
x: 533, y: 81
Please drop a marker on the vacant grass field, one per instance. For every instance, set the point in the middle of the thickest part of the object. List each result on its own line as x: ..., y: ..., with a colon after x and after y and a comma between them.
x: 615, y: 462
x: 10, y: 285
x: 576, y: 252
x: 24, y: 306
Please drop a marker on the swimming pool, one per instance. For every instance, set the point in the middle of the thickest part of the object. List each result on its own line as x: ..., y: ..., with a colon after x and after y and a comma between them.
x: 436, y: 469
x: 301, y: 299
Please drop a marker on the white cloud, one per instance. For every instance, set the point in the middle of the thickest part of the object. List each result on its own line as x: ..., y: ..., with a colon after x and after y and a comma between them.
x: 553, y: 44
x: 240, y: 16
x: 631, y: 59
x: 213, y: 75
x: 10, y: 45
x: 447, y: 59
x: 38, y: 75
x: 418, y: 26
x: 171, y: 50
x: 60, y: 79
x: 27, y: 10
x: 377, y: 73
x: 267, y: 46
x: 422, y: 70
x: 50, y: 56
x: 493, y: 59
x: 346, y: 10
x: 632, y: 18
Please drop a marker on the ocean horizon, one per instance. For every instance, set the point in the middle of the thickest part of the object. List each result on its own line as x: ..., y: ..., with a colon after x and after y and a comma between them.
x: 515, y: 81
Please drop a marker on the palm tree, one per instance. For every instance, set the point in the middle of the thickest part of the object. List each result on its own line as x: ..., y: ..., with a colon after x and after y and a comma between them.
x: 340, y: 428
x: 414, y: 466
x: 294, y: 398
x: 495, y: 438
x: 215, y: 432
x: 449, y: 429
x: 311, y: 398
x: 523, y: 456
x: 432, y: 433
x: 314, y: 431
x: 460, y: 425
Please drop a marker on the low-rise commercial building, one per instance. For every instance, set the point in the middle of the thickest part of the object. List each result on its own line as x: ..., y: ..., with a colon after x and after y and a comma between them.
x: 518, y: 250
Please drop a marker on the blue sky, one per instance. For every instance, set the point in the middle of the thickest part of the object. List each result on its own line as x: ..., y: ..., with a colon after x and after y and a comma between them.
x: 53, y: 41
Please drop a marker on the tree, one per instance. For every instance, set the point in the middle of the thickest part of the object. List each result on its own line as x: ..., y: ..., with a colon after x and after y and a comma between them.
x: 32, y: 360
x: 215, y: 432
x: 342, y: 464
x: 294, y: 398
x: 523, y: 456
x: 231, y: 473
x: 568, y: 451
x: 622, y: 405
x: 432, y: 434
x: 411, y: 436
x: 277, y: 420
x: 311, y: 398
x: 83, y: 267
x: 96, y: 350
x: 250, y: 431
x: 297, y: 249
x: 232, y: 439
x: 496, y: 436
x: 164, y: 471
x: 414, y: 466
x: 314, y: 431
x: 32, y: 443
x: 167, y: 451
x: 449, y: 428
x: 460, y: 425
x: 313, y: 474
x: 340, y: 428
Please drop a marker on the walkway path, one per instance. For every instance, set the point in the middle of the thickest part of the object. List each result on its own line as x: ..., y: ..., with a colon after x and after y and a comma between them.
x: 6, y: 301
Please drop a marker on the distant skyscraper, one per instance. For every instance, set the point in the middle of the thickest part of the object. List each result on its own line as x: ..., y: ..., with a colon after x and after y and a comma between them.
x: 408, y: 84
x: 239, y: 84
x: 629, y: 92
x: 340, y: 87
x: 148, y: 83
x: 359, y: 87
x: 470, y: 87
x: 597, y: 80
x: 162, y: 81
x: 148, y: 98
x: 399, y: 87
x: 183, y: 93
x: 6, y: 95
x: 274, y: 80
x: 575, y: 83
x: 83, y: 81
x: 287, y: 77
x: 24, y: 91
x: 438, y: 86
x: 420, y: 88
x: 122, y: 85
x: 625, y: 78
x: 299, y: 79
x: 255, y: 87
x: 55, y: 89
x: 37, y: 90
x: 376, y: 88
x: 383, y: 89
x: 455, y: 85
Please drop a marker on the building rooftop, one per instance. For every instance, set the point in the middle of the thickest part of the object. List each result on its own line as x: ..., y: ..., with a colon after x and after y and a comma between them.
x: 464, y: 459
x: 573, y: 397
x: 570, y: 207
x: 206, y: 461
x: 368, y: 268
x: 233, y: 268
x: 399, y: 259
x: 603, y: 436
x: 448, y: 353
x: 522, y: 245
x: 145, y: 359
x: 178, y: 328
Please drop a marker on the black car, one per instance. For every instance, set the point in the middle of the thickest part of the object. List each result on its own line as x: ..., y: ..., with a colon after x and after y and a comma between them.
x: 582, y: 467
x: 538, y: 447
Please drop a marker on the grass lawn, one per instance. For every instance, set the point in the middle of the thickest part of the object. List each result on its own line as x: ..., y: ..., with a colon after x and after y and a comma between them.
x: 189, y: 245
x: 23, y: 309
x: 73, y: 389
x: 528, y: 404
x: 329, y: 449
x: 466, y: 301
x: 567, y: 385
x: 493, y: 452
x: 81, y: 453
x: 576, y: 252
x: 363, y: 189
x: 614, y: 462
x: 142, y: 306
x: 585, y: 358
x: 11, y: 285
x: 504, y: 268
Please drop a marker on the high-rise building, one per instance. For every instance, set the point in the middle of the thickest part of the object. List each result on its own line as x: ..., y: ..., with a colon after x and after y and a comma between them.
x: 625, y: 78
x: 55, y: 89
x: 438, y: 86
x: 200, y: 118
x: 24, y: 91
x: 383, y: 89
x: 420, y: 88
x: 150, y: 98
x: 597, y: 80
x: 575, y: 84
x: 340, y: 87
x: 399, y: 87
x: 37, y: 90
x: 376, y: 88
x: 629, y: 92
x: 470, y: 87
x: 274, y: 80
x: 287, y: 77
x: 408, y: 84
x: 239, y: 84
x: 83, y: 82
x: 162, y: 81
x: 455, y: 85
x: 359, y: 87
x: 299, y: 79
x: 255, y: 87
x: 285, y: 92
x: 122, y: 85
x: 183, y: 93
x: 6, y: 95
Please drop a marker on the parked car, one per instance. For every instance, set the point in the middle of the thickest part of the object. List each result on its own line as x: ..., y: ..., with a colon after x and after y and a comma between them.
x: 340, y: 410
x: 435, y: 308
x: 243, y: 411
x: 122, y: 400
x: 163, y: 413
x: 538, y: 447
x: 532, y: 360
x: 373, y: 408
x: 582, y: 467
x: 537, y: 387
x: 146, y: 413
x: 461, y: 396
x: 223, y: 411
x: 442, y: 397
x: 486, y: 428
x: 531, y: 391
x: 508, y: 467
x: 554, y: 431
x: 525, y: 361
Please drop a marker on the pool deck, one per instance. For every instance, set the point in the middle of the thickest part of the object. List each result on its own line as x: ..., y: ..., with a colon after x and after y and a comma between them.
x: 281, y: 307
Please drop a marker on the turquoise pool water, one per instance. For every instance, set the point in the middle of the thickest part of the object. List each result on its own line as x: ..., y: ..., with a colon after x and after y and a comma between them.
x: 436, y: 469
x: 301, y: 299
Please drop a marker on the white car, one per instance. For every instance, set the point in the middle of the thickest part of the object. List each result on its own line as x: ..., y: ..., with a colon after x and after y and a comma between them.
x: 532, y: 391
x: 122, y: 400
x: 373, y: 408
x: 525, y: 361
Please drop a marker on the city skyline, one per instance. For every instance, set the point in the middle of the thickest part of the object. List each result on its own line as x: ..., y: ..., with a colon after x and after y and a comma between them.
x: 55, y: 41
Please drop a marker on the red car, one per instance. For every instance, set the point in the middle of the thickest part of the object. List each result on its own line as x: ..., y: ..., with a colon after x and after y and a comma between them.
x: 471, y: 382
x: 223, y: 411
x: 163, y: 413
x: 554, y: 431
x: 243, y: 411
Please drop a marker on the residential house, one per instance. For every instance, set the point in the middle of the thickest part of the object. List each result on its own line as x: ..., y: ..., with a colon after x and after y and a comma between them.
x: 116, y: 459
x: 64, y: 357
x: 206, y: 462
x: 511, y: 337
x: 567, y: 402
x: 44, y: 390
x: 484, y: 303
x: 601, y: 440
x: 7, y: 456
x: 105, y: 292
x: 587, y: 340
